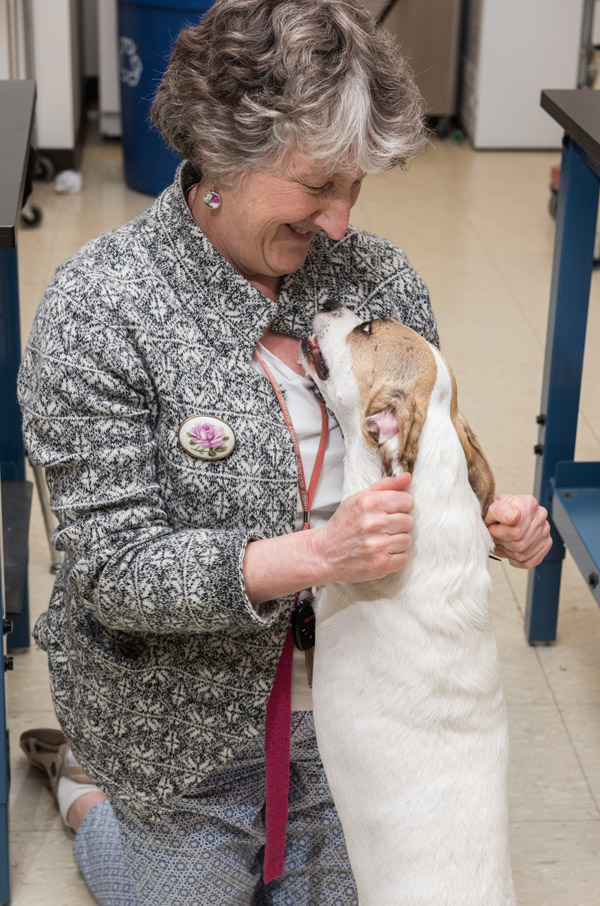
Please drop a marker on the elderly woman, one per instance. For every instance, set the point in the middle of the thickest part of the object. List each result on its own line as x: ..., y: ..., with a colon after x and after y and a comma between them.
x: 173, y: 473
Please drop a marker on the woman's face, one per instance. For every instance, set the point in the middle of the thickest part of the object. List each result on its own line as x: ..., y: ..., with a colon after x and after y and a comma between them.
x: 265, y: 226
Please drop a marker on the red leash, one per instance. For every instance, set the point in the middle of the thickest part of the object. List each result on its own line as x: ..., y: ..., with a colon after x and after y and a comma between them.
x: 279, y: 706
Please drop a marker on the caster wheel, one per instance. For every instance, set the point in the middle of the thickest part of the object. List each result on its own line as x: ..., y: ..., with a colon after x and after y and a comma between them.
x: 44, y: 169
x: 31, y: 216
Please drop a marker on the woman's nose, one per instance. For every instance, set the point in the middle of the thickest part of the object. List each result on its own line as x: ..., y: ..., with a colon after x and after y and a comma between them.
x: 334, y: 217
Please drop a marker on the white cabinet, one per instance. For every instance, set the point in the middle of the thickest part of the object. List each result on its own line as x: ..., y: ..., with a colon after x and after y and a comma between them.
x: 512, y: 50
x: 40, y: 39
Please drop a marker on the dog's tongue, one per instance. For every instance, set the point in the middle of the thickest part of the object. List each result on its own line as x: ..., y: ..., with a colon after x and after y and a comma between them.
x: 312, y: 351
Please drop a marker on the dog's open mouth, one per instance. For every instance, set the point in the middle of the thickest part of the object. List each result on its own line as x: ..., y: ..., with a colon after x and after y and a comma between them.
x: 313, y: 354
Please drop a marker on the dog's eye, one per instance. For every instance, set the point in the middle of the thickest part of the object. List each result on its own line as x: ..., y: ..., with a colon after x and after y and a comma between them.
x: 366, y: 327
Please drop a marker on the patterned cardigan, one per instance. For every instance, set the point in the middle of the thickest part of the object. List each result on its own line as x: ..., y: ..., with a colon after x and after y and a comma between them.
x: 160, y: 667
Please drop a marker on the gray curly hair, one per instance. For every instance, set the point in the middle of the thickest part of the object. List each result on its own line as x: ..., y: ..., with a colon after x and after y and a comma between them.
x: 257, y: 77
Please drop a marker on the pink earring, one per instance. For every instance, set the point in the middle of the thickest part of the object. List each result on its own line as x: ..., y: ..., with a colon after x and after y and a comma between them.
x: 212, y: 199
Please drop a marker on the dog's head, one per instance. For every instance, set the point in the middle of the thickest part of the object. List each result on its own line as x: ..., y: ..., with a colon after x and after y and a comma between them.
x: 378, y: 377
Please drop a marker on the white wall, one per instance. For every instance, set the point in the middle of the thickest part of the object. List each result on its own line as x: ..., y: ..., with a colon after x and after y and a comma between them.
x: 56, y: 68
x: 108, y: 65
x: 13, y: 58
x: 4, y: 41
x: 89, y: 36
x: 596, y: 27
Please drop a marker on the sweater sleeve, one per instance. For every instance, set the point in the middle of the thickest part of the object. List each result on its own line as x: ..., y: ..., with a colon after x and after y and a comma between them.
x: 89, y: 413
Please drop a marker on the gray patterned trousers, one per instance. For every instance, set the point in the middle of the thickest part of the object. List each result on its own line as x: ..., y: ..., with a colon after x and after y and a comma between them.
x: 210, y: 851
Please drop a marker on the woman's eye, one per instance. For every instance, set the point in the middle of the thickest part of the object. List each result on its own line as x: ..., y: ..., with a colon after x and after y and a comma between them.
x: 366, y: 327
x: 319, y: 188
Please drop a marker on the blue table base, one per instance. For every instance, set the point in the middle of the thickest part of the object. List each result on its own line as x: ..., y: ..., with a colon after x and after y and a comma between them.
x: 565, y: 343
x: 12, y: 466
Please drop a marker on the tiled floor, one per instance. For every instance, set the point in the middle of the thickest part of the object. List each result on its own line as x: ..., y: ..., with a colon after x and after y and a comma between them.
x: 476, y: 226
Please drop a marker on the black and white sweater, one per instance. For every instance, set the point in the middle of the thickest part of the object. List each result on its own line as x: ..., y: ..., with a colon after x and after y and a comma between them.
x: 160, y: 667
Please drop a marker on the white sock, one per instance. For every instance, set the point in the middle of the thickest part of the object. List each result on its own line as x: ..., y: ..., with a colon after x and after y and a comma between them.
x: 69, y: 790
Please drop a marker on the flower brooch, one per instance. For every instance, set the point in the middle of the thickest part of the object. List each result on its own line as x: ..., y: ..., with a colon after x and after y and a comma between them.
x: 207, y: 437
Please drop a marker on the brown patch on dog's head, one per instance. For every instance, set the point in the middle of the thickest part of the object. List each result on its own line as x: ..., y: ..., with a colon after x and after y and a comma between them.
x: 395, y: 371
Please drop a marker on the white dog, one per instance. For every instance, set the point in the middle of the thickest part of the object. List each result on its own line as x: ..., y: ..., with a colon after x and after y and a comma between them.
x: 407, y: 697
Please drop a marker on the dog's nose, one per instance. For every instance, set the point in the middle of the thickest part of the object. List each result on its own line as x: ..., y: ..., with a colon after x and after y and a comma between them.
x: 331, y: 305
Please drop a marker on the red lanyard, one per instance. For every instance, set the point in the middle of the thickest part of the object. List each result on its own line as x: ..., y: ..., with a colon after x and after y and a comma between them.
x: 306, y: 496
x: 278, y: 717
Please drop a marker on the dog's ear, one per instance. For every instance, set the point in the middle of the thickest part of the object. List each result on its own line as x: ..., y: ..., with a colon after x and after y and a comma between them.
x: 481, y: 477
x: 394, y: 421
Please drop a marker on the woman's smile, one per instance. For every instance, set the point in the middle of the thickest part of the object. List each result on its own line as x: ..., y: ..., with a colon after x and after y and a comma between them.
x: 265, y: 224
x: 301, y: 232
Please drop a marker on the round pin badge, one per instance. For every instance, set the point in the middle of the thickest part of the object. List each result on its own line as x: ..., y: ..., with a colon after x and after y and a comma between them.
x: 206, y: 437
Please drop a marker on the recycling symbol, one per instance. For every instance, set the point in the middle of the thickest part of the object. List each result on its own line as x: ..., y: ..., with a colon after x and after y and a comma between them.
x: 131, y: 65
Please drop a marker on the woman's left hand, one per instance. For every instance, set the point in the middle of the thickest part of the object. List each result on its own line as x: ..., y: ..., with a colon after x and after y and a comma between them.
x: 520, y: 529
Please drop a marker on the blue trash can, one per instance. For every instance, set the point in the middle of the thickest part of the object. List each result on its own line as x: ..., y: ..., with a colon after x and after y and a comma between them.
x: 147, y: 32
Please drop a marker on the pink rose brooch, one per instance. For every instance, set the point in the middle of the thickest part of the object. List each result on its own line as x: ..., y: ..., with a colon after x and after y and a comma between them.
x: 207, y: 437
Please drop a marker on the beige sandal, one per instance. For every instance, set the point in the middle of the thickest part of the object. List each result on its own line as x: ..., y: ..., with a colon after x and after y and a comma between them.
x: 47, y: 750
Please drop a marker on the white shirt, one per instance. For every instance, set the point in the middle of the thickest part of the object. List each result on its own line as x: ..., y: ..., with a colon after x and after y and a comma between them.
x: 305, y: 413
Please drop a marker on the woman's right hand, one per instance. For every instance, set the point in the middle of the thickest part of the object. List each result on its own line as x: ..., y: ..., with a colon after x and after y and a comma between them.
x: 368, y: 536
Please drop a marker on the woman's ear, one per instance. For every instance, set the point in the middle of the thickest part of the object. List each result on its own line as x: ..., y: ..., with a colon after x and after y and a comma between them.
x: 394, y: 421
x: 481, y: 477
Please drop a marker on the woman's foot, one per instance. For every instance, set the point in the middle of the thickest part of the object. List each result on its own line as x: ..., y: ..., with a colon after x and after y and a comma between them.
x: 74, y: 792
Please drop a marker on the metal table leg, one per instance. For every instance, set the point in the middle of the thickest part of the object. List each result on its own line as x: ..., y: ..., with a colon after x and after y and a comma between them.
x: 49, y: 521
x: 4, y: 760
x: 565, y: 342
x: 12, y: 449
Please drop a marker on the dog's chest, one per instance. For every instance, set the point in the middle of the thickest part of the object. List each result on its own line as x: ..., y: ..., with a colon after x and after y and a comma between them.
x: 426, y: 627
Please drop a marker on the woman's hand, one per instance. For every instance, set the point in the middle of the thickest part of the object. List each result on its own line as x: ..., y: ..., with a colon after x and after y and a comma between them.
x: 368, y: 536
x: 520, y: 529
